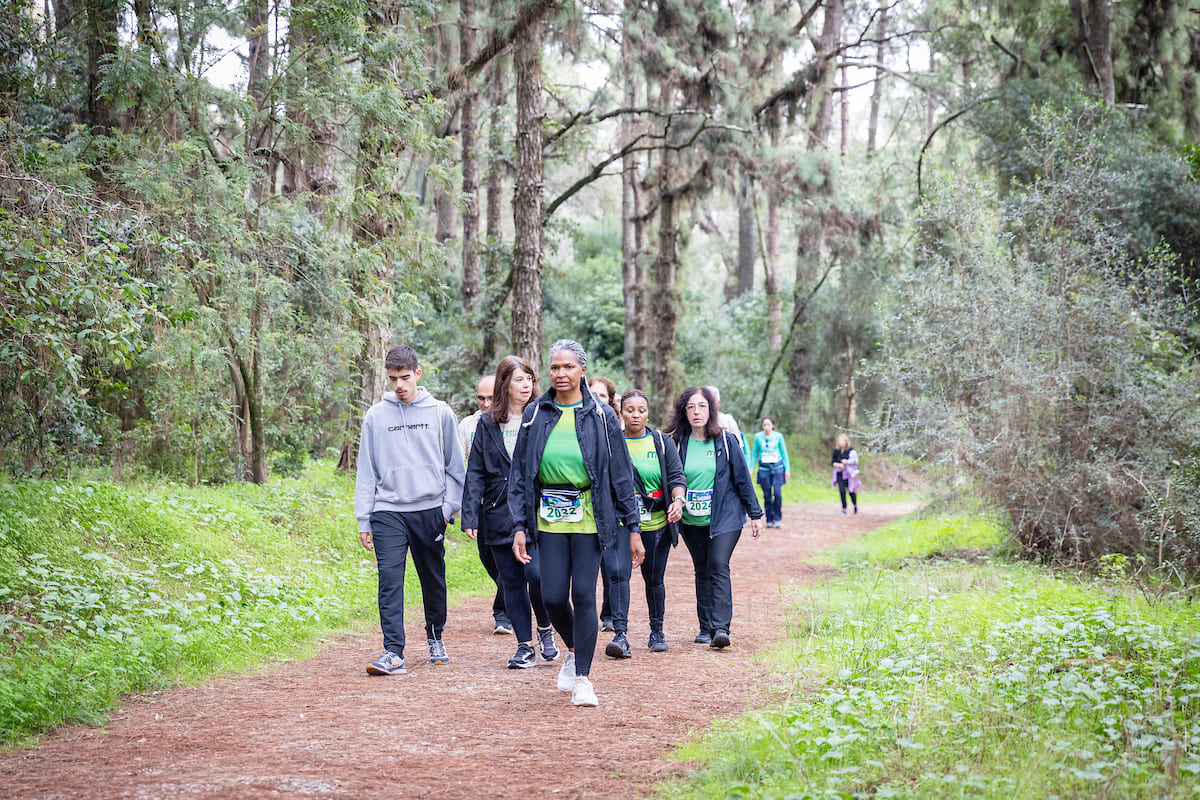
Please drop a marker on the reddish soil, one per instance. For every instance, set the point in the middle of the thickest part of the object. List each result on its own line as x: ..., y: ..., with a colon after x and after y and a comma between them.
x: 472, y: 729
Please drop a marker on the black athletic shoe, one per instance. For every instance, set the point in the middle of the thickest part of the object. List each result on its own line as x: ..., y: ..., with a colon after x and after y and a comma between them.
x: 503, y: 627
x: 657, y: 643
x: 524, y: 658
x: 703, y: 637
x: 618, y: 647
x: 546, y: 642
x: 606, y: 625
x: 720, y: 640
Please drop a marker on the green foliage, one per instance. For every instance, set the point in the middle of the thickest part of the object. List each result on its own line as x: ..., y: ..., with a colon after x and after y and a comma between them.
x: 1032, y: 354
x: 987, y: 680
x: 106, y: 590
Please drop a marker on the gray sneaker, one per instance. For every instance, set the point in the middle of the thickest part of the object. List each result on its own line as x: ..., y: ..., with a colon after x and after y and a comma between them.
x: 387, y: 663
x: 524, y: 658
x: 546, y: 642
x: 437, y: 652
x: 657, y: 643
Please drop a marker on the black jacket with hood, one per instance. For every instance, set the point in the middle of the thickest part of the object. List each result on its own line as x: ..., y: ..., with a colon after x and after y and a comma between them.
x: 604, y: 456
x: 672, y: 474
x: 733, y: 490
x: 485, y: 496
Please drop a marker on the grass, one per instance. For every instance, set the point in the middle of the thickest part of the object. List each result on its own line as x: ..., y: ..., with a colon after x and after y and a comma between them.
x: 910, y: 675
x: 107, y: 590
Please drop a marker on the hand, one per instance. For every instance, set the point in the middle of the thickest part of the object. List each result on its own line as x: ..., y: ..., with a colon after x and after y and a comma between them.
x: 787, y: 475
x: 755, y: 530
x: 471, y: 532
x: 637, y: 549
x: 675, y: 510
x: 365, y: 538
x: 518, y: 548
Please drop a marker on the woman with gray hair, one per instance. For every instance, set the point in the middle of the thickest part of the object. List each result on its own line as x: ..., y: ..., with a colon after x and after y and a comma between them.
x: 571, y: 485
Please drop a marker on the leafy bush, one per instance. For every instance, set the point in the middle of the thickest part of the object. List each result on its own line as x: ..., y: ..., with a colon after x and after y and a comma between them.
x: 1027, y: 352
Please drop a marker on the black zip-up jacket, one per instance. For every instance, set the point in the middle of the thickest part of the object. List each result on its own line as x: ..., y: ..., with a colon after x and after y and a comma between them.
x: 733, y: 490
x: 604, y: 456
x: 485, y: 496
x: 672, y: 474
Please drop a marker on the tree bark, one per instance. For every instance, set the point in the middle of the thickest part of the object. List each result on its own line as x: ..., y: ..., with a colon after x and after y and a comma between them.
x: 258, y: 133
x: 877, y: 85
x: 1093, y: 49
x: 494, y: 291
x: 103, y: 18
x: 470, y: 165
x: 443, y: 200
x: 633, y: 284
x: 527, y: 197
x: 746, y: 238
x: 771, y: 270
x: 664, y: 302
x: 821, y: 123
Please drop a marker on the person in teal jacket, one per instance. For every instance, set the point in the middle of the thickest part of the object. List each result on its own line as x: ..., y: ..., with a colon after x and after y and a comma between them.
x: 774, y: 470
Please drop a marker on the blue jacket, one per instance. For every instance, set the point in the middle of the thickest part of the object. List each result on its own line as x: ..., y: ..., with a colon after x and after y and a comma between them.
x: 604, y: 456
x: 733, y: 492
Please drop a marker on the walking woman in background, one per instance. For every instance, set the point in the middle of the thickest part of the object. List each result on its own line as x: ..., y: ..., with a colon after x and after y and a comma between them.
x: 485, y: 508
x: 845, y: 471
x: 719, y: 496
x: 571, y: 486
x: 658, y: 478
x: 606, y: 392
x: 774, y: 470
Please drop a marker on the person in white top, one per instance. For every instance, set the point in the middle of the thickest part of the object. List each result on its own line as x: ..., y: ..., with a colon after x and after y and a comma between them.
x: 483, y: 399
x: 728, y: 423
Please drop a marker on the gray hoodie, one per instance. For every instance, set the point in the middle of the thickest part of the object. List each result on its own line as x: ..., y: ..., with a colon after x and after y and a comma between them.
x: 409, y: 458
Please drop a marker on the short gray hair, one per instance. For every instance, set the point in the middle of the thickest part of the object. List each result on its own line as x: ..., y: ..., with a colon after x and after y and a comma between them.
x: 716, y: 393
x: 571, y: 346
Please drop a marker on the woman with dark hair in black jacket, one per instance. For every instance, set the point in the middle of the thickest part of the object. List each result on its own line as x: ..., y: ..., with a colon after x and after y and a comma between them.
x: 719, y: 496
x: 571, y: 486
x: 485, y: 508
x: 658, y: 478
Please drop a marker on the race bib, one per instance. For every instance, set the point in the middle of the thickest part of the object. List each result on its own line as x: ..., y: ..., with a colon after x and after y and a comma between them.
x: 769, y: 457
x: 643, y: 514
x: 561, y: 506
x: 699, y: 503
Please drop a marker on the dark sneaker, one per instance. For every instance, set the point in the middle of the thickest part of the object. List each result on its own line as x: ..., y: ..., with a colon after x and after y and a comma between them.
x: 503, y: 626
x: 524, y: 659
x: 606, y: 625
x: 546, y: 643
x: 720, y: 640
x: 388, y: 663
x: 618, y: 647
x: 703, y: 637
x: 657, y: 643
x: 437, y: 652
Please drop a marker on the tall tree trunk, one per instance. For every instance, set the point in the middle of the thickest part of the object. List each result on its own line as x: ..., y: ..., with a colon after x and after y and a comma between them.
x: 848, y: 387
x: 746, y: 237
x: 470, y: 166
x: 771, y: 269
x: 845, y: 102
x: 633, y: 285
x: 258, y: 134
x: 103, y: 18
x: 527, y: 197
x: 1093, y: 49
x: 443, y: 199
x: 664, y: 302
x: 821, y: 123
x: 877, y: 84
x: 494, y: 291
x: 810, y: 240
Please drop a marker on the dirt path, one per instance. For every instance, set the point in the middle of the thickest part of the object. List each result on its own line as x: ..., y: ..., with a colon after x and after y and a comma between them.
x: 472, y: 729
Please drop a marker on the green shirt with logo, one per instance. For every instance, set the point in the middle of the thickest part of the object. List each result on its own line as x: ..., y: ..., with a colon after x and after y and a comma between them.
x: 564, y: 511
x: 645, y: 461
x: 701, y: 474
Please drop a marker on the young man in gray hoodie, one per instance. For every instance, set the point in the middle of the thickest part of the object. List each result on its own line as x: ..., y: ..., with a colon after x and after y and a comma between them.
x: 409, y: 487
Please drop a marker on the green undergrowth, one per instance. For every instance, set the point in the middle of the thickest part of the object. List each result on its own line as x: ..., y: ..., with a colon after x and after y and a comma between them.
x: 107, y: 590
x: 916, y: 675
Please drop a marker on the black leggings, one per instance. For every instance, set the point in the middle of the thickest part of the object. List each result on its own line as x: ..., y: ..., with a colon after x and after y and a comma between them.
x: 570, y: 566
x: 654, y: 570
x: 522, y: 584
x: 843, y: 484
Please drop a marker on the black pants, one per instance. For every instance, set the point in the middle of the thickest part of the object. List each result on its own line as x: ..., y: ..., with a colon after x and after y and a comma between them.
x: 488, y: 558
x: 616, y: 568
x: 522, y: 584
x: 843, y: 485
x: 654, y: 570
x: 714, y: 591
x: 395, y: 534
x: 570, y: 565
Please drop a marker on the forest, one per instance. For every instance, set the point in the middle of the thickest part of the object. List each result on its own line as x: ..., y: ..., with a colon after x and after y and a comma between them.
x: 969, y: 233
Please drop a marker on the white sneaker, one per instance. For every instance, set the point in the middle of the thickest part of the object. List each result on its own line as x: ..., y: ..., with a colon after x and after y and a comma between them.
x: 566, y: 673
x: 583, y: 694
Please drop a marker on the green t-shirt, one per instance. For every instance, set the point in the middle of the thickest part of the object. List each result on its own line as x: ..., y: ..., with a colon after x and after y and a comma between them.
x: 645, y: 461
x: 562, y: 464
x: 701, y: 474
